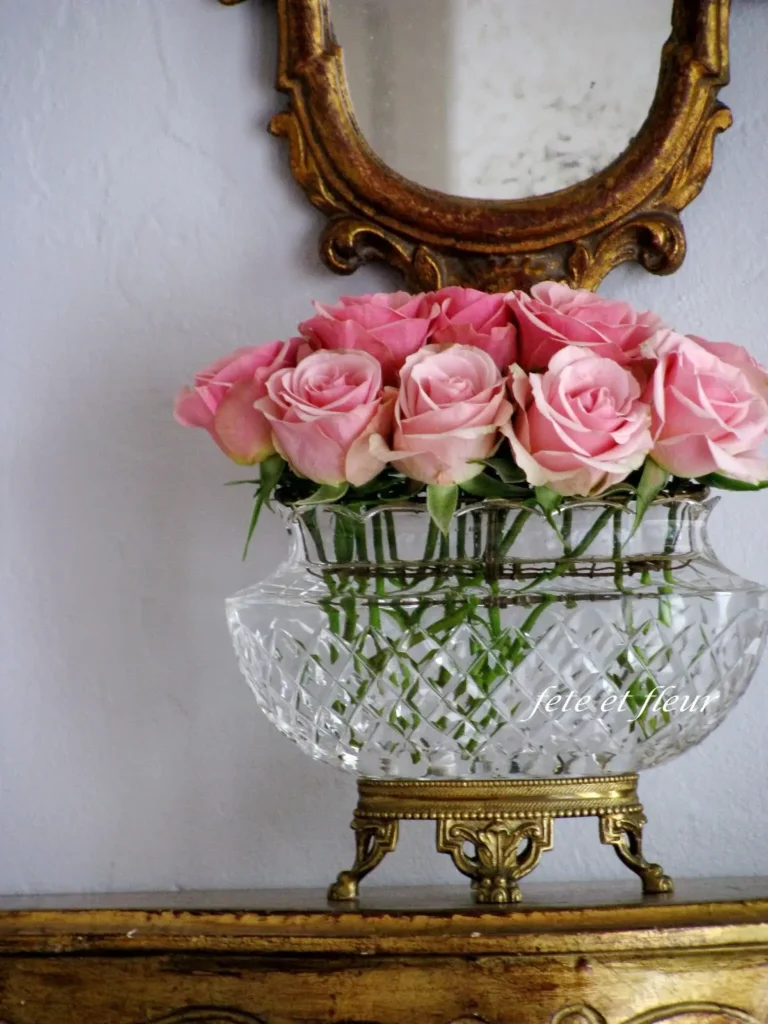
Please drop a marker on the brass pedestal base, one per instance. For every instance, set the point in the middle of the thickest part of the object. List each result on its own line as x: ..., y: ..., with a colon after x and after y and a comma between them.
x: 509, y: 824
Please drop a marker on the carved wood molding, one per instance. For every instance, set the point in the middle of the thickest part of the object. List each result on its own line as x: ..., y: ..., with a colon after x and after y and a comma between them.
x: 208, y: 1015
x: 679, y: 1013
x: 627, y: 212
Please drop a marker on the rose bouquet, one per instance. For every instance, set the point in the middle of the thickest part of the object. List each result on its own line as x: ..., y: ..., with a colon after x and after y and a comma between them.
x: 496, y: 415
x: 558, y: 393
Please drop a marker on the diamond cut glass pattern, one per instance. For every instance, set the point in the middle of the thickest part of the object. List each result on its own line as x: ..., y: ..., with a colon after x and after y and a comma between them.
x: 516, y: 646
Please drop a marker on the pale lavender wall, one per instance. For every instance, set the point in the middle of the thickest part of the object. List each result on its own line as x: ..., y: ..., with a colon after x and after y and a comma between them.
x: 148, y: 222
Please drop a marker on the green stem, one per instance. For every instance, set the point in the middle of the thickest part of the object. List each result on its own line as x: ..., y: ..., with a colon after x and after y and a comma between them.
x: 522, y: 644
x: 349, y: 606
x: 343, y: 538
x: 389, y: 523
x: 309, y: 519
x: 492, y: 546
x: 378, y: 554
x: 566, y: 531
x: 563, y: 565
x: 616, y: 553
x: 514, y: 531
x: 461, y: 536
x: 670, y: 543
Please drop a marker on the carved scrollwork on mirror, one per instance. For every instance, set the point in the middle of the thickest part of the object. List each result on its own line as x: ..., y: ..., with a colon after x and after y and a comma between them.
x: 416, y: 133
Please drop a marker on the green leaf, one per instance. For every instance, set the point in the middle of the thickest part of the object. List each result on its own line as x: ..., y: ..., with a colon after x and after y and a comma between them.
x: 442, y: 502
x: 724, y: 483
x: 378, y: 486
x: 271, y: 471
x: 548, y: 499
x: 507, y: 470
x: 484, y: 486
x: 258, y: 504
x: 624, y: 488
x: 652, y: 482
x: 326, y: 494
x: 239, y: 483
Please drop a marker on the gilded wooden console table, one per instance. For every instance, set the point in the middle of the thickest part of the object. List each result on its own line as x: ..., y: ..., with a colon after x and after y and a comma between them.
x: 568, y: 955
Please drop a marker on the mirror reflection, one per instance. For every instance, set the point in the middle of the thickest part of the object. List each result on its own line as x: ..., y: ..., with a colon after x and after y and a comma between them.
x: 500, y: 99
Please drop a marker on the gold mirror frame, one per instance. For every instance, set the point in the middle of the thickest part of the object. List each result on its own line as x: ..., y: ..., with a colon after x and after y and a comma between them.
x: 629, y: 211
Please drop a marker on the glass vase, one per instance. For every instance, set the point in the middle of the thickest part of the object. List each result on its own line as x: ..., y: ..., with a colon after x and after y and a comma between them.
x: 518, y: 645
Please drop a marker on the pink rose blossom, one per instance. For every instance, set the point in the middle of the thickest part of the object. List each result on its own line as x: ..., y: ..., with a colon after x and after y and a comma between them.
x: 709, y: 413
x: 325, y: 413
x: 581, y: 426
x: 448, y: 414
x: 388, y: 327
x: 222, y: 398
x: 554, y: 316
x: 470, y: 317
x: 737, y: 356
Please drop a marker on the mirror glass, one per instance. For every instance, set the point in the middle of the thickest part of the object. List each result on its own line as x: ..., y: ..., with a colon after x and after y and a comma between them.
x: 500, y: 99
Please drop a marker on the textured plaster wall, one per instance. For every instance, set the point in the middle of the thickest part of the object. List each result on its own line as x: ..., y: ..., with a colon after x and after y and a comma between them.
x: 147, y: 223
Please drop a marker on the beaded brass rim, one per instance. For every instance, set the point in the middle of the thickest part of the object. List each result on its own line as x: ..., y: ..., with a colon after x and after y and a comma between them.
x: 469, y: 799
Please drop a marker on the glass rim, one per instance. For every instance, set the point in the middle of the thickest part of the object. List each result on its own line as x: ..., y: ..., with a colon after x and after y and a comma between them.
x: 700, y: 498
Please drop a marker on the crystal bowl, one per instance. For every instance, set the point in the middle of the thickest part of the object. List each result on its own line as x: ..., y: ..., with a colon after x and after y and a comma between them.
x: 520, y: 644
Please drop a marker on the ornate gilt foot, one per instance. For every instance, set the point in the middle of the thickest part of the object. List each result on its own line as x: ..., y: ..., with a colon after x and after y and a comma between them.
x: 496, y: 830
x: 505, y: 851
x: 625, y: 833
x: 374, y: 840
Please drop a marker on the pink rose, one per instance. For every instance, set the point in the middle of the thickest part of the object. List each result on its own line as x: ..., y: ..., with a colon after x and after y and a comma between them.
x: 326, y: 412
x: 470, y: 317
x: 737, y: 356
x: 449, y: 410
x: 389, y: 327
x: 222, y: 398
x: 554, y: 316
x: 581, y: 426
x: 709, y: 415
